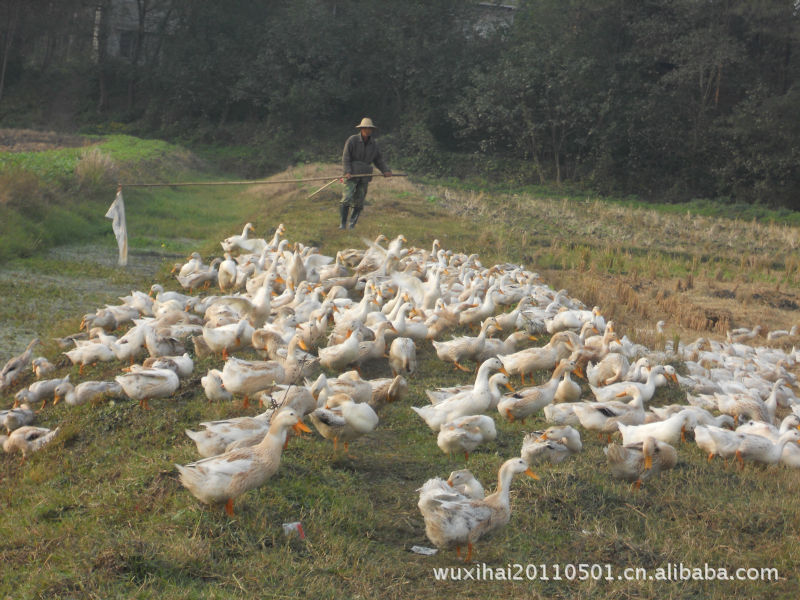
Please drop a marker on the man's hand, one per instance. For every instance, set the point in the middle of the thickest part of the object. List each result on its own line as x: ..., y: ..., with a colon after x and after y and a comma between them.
x: 348, y: 175
x: 387, y: 174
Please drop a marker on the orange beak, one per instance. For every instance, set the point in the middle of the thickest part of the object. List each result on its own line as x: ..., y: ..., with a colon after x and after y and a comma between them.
x: 299, y: 427
x: 531, y: 474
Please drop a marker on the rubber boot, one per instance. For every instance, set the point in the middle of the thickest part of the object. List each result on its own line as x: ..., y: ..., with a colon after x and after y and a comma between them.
x: 343, y: 210
x: 354, y: 217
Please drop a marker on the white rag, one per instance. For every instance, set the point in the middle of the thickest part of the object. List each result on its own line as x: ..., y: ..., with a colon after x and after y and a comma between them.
x: 116, y: 212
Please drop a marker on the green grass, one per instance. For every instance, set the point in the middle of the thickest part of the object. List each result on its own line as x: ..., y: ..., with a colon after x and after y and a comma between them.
x: 101, y: 514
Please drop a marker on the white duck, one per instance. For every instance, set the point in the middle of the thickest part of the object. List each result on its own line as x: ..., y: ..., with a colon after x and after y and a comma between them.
x: 469, y: 402
x: 641, y: 461
x: 464, y: 482
x: 554, y: 445
x: 86, y: 391
x: 246, y: 377
x: 764, y: 450
x: 453, y: 520
x: 646, y: 390
x: 221, y: 479
x: 338, y: 357
x: 342, y: 420
x: 464, y: 434
x: 528, y: 401
x: 670, y: 430
x: 144, y: 384
x: 29, y: 439
x: 403, y: 356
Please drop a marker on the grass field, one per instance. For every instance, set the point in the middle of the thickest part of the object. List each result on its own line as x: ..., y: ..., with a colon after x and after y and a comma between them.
x: 101, y: 514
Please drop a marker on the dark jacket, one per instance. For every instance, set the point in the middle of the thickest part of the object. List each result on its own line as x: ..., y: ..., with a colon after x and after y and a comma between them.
x: 358, y: 156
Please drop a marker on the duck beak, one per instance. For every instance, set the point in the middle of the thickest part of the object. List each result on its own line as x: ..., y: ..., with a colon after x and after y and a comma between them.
x: 622, y: 394
x: 509, y: 388
x: 300, y: 427
x: 533, y: 338
x: 504, y: 372
x: 542, y: 438
x: 531, y: 474
x: 302, y: 344
x: 579, y: 372
x: 674, y: 377
x: 450, y: 483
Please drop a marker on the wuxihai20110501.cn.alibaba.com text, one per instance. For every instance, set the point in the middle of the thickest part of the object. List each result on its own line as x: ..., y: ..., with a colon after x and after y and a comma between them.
x: 601, y: 572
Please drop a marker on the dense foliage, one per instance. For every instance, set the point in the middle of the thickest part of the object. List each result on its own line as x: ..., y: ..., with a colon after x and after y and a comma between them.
x: 663, y: 98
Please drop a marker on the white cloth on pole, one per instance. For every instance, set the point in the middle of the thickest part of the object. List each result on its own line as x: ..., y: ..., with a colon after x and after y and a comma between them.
x: 116, y: 212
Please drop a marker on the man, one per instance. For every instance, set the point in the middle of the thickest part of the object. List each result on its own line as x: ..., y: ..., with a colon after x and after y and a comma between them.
x: 360, y: 153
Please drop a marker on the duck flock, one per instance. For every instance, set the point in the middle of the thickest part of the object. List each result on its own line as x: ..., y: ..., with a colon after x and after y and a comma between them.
x: 314, y: 320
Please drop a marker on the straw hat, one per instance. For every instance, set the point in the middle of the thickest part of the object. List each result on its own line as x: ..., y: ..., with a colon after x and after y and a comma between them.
x: 366, y: 122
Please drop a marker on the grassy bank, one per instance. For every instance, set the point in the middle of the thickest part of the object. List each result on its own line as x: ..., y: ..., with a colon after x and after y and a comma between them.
x: 101, y: 514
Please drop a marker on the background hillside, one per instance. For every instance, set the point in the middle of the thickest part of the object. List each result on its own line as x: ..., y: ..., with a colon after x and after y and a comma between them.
x: 664, y: 99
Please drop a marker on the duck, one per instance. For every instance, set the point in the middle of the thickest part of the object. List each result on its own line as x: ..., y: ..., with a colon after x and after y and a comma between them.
x: 387, y: 389
x: 470, y: 402
x: 403, y: 356
x: 716, y: 441
x: 568, y: 390
x: 486, y: 309
x: 742, y: 405
x: 453, y: 520
x: 235, y: 242
x: 229, y: 338
x: 647, y: 390
x: 553, y: 445
x: 214, y: 388
x: 89, y: 354
x: 526, y: 402
x: 298, y: 365
x: 183, y: 365
x: 670, y: 430
x: 605, y: 417
x: 227, y: 273
x: 38, y: 391
x: 86, y: 391
x: 405, y: 327
x: 145, y: 384
x: 464, y: 434
x: 612, y: 368
x: 297, y: 397
x: 340, y: 356
x: 464, y: 482
x: 246, y: 377
x: 342, y: 420
x: 14, y: 418
x: 462, y: 348
x: 761, y: 449
x: 543, y: 358
x: 350, y: 383
x: 28, y: 439
x: 221, y: 479
x: 204, y: 278
x: 216, y: 436
x: 496, y: 381
x: 639, y: 462
x: 768, y: 430
x: 495, y: 347
x: 370, y: 350
x: 41, y: 367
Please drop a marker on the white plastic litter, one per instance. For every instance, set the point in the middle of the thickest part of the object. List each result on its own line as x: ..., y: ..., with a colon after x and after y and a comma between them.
x: 423, y: 550
x: 292, y: 528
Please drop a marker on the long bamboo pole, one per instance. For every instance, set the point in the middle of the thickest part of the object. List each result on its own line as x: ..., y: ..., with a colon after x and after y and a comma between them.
x: 247, y: 182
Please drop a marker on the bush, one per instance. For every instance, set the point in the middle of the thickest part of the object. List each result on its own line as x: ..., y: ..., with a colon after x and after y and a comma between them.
x: 18, y: 187
x: 95, y: 171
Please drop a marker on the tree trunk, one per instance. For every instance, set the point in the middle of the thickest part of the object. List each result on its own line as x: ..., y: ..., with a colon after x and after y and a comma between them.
x: 13, y: 19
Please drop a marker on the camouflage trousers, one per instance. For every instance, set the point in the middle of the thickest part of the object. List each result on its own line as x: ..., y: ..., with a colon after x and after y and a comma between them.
x: 355, y: 190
